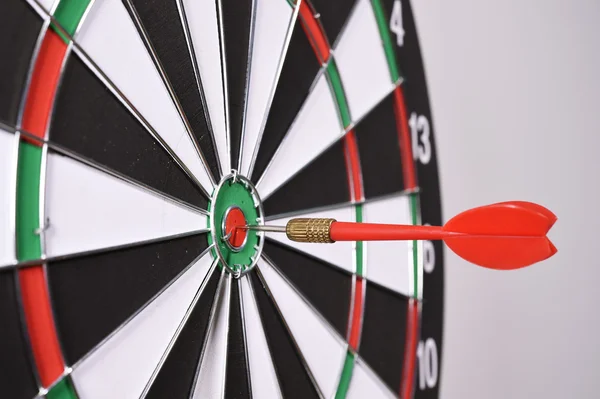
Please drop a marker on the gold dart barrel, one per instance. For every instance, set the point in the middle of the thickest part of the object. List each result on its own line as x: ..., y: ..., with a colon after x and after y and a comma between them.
x: 309, y: 230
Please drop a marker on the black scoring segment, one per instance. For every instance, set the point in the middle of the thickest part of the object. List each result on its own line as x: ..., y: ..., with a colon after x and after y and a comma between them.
x: 323, y: 182
x: 93, y: 295
x: 299, y: 70
x: 333, y: 15
x: 16, y: 378
x: 90, y: 121
x: 162, y: 22
x: 236, y: 378
x: 384, y: 332
x: 327, y: 288
x: 236, y: 20
x: 379, y: 148
x: 292, y: 376
x: 176, y: 377
x: 20, y: 27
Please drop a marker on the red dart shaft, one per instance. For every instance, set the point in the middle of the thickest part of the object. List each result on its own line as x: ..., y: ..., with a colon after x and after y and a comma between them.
x: 347, y: 231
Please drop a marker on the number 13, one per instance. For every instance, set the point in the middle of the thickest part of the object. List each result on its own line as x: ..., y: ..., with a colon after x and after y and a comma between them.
x: 421, y: 146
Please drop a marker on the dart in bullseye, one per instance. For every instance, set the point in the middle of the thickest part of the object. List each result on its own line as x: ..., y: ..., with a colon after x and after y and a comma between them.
x: 504, y: 236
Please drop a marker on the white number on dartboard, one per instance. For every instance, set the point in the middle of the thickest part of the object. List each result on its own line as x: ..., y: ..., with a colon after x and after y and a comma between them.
x: 421, y: 146
x: 396, y: 23
x: 428, y: 256
x: 428, y: 364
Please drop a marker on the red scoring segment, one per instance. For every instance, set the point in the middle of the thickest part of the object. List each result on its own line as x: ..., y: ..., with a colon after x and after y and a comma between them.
x: 234, y: 220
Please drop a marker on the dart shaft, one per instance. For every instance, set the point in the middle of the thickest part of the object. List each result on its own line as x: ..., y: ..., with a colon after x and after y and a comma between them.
x: 322, y: 230
x: 345, y: 231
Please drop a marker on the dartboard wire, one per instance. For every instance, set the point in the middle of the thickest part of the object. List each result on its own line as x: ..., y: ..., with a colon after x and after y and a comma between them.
x: 287, y: 327
x: 330, y: 328
x: 244, y: 334
x: 74, y: 255
x: 319, y: 46
x: 196, y: 68
x: 247, y: 82
x: 332, y: 207
x: 406, y: 389
x: 348, y: 141
x: 54, y: 352
x: 43, y: 169
x: 135, y: 113
x: 145, y: 188
x: 273, y: 89
x: 343, y: 133
x: 345, y: 271
x: 36, y: 50
x: 24, y: 332
x: 53, y: 313
x: 374, y: 376
x: 388, y: 47
x: 105, y: 169
x: 270, y: 355
x: 325, y: 323
x: 159, y: 67
x: 321, y: 72
x: 44, y: 164
x: 70, y: 369
x: 359, y: 281
x: 356, y: 192
x: 412, y: 337
x: 221, y: 36
x: 337, y: 40
x: 116, y: 91
x: 221, y: 287
x: 180, y: 327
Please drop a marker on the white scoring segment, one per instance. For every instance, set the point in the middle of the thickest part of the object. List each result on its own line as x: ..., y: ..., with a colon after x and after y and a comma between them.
x: 263, y: 379
x: 316, y: 127
x: 396, y: 271
x: 323, y: 350
x: 110, y: 38
x: 272, y: 31
x: 361, y: 61
x: 123, y: 364
x: 341, y: 254
x: 202, y: 22
x: 8, y: 175
x: 210, y: 382
x: 365, y: 384
x: 89, y: 210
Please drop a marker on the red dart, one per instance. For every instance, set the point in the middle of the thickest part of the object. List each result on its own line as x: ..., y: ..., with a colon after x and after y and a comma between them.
x: 506, y: 235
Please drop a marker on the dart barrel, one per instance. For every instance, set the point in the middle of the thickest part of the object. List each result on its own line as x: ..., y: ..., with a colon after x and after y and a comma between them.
x: 316, y: 230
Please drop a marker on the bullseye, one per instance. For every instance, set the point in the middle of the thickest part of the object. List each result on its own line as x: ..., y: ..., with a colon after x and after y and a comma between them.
x: 236, y: 237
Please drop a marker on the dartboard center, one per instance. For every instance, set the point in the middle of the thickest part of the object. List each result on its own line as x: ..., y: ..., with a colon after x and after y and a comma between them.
x: 234, y: 221
x: 235, y: 204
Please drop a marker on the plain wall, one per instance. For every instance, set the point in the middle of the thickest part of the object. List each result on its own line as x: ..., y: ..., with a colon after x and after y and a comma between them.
x: 515, y: 94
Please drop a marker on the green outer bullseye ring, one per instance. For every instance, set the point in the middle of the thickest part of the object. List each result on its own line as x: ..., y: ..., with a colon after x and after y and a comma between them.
x: 235, y: 191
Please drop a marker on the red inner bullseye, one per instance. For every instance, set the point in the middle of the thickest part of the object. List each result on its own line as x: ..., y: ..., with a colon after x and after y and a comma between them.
x: 235, y: 218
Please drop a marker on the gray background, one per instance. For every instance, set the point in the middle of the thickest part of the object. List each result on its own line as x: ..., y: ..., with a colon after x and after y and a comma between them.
x: 515, y: 95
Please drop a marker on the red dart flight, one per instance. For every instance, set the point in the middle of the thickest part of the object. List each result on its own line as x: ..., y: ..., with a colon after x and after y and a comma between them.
x: 504, y: 236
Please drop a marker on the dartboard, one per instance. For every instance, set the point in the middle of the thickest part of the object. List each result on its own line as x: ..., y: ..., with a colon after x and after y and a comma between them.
x: 135, y: 133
